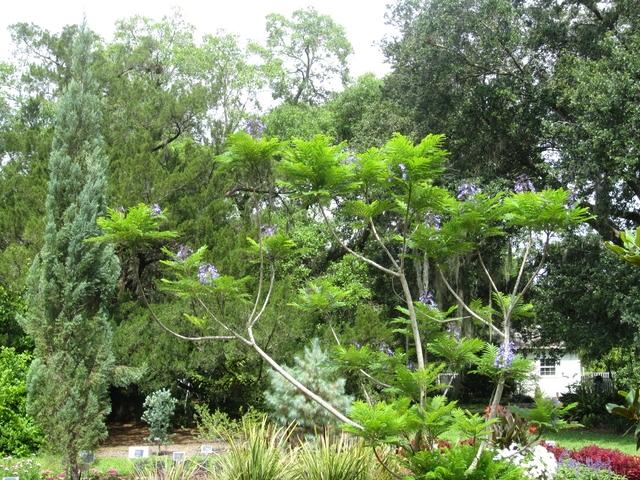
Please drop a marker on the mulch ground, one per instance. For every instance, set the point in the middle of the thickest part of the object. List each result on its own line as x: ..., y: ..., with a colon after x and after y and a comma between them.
x: 125, y: 435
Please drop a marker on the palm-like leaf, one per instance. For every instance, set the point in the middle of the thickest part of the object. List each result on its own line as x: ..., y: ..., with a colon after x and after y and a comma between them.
x: 137, y: 227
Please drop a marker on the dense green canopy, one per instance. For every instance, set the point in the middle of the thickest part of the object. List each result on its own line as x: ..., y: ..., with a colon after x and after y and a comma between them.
x: 489, y: 96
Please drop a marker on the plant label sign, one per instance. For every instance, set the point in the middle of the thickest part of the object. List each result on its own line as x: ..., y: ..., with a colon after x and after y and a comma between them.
x: 10, y: 478
x: 87, y: 457
x: 178, y: 456
x: 206, y: 449
x: 138, y: 452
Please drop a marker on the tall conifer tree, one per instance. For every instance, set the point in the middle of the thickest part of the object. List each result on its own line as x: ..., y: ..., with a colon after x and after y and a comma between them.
x: 71, y: 280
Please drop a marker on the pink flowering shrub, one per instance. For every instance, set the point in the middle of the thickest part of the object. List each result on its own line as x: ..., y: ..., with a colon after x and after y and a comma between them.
x: 593, y: 456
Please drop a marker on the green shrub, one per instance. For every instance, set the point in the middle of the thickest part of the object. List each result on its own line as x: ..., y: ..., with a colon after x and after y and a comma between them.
x: 576, y: 471
x: 158, y: 410
x: 592, y: 398
x: 452, y: 463
x: 209, y: 424
x: 333, y: 460
x: 19, y: 435
x: 218, y: 425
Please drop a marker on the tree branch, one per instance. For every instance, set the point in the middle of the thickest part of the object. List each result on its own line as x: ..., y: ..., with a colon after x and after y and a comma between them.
x: 384, y: 247
x: 174, y: 333
x: 466, y: 307
x: 353, y: 252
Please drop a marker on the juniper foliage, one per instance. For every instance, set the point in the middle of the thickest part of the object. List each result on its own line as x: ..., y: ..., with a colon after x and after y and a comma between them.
x: 71, y: 280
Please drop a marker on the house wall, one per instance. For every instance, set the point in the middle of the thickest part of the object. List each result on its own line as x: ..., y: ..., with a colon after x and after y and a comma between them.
x: 568, y: 370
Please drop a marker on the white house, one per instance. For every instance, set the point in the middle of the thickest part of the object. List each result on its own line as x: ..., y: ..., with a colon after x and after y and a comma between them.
x: 553, y: 377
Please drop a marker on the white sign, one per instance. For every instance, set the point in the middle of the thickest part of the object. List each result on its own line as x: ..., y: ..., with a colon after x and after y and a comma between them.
x: 206, y: 449
x: 178, y: 456
x: 10, y: 478
x: 138, y: 452
x: 87, y: 457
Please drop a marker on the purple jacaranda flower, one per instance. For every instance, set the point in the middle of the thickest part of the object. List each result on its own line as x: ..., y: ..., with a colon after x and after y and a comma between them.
x: 403, y: 170
x: 433, y: 220
x: 466, y: 190
x: 156, y: 210
x: 183, y: 252
x: 427, y: 298
x: 268, y: 230
x: 506, y: 354
x: 255, y: 128
x: 385, y: 348
x: 207, y: 273
x: 523, y: 184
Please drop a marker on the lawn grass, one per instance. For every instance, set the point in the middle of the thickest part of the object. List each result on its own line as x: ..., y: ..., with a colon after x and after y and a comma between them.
x: 578, y: 438
x: 55, y: 463
x: 123, y: 466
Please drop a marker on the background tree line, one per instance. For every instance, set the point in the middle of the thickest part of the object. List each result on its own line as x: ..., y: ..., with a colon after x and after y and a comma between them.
x: 541, y: 92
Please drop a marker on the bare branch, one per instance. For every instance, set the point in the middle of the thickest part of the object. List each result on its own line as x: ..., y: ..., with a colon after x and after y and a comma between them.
x: 466, y: 307
x: 538, y: 268
x: 522, y: 265
x: 380, y: 383
x: 353, y: 252
x: 384, y: 247
x: 174, y: 333
x: 221, y: 323
x: 266, y: 299
x: 486, y: 272
x: 260, y: 280
x: 369, y: 376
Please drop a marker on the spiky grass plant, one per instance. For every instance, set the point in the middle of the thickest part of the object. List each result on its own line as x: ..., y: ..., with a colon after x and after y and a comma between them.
x: 167, y: 469
x: 333, y: 459
x: 259, y: 453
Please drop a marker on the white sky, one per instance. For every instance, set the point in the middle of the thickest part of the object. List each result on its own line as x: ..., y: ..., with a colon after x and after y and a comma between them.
x: 363, y: 20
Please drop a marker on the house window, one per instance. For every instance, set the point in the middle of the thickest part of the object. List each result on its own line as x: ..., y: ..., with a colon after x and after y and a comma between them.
x: 547, y: 366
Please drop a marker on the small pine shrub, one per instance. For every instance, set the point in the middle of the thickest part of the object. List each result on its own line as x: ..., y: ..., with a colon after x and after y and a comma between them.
x: 315, y: 370
x: 158, y: 410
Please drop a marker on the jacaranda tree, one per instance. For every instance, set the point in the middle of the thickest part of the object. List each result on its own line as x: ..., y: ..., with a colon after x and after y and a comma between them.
x: 393, y: 193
